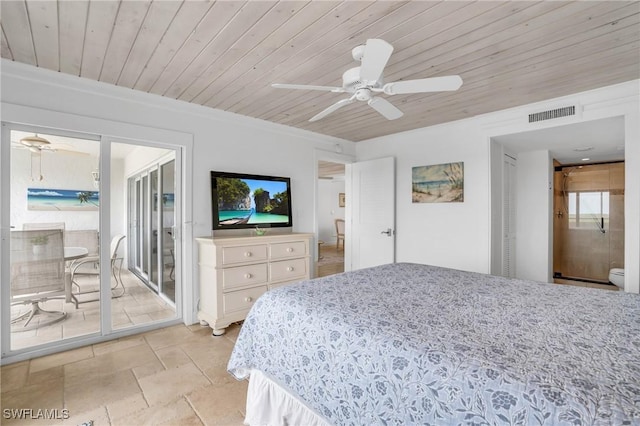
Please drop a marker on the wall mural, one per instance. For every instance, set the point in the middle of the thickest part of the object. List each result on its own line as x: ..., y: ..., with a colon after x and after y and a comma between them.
x: 62, y: 199
x: 440, y: 183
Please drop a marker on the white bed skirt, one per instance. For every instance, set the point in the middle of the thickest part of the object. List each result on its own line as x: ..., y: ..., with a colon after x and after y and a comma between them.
x: 270, y: 404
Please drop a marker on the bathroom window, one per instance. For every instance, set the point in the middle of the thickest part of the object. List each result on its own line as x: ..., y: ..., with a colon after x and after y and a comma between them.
x: 589, y: 210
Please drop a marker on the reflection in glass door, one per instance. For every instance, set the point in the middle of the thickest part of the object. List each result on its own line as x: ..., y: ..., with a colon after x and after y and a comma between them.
x: 152, y: 222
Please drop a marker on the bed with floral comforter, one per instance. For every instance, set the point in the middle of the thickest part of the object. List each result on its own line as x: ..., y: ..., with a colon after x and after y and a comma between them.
x: 408, y: 344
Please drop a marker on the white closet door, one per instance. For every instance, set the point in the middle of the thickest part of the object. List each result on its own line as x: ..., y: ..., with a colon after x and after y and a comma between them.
x: 509, y: 218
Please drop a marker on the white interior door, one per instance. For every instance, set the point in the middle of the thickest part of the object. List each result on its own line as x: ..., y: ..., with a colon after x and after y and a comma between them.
x: 370, y: 234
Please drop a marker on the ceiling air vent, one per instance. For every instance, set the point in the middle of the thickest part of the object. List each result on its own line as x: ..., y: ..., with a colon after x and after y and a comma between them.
x: 552, y: 113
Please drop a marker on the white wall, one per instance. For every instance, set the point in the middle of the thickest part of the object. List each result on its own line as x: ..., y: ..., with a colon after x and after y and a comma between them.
x: 459, y: 235
x: 328, y: 208
x: 445, y: 234
x: 220, y: 140
x: 534, y: 204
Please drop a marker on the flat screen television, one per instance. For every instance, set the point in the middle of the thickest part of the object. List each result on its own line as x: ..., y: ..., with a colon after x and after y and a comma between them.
x: 242, y: 201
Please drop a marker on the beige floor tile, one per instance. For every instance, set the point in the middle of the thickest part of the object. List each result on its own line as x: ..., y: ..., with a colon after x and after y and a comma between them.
x: 173, y: 357
x: 118, y: 345
x: 169, y: 336
x: 152, y: 366
x: 124, y: 382
x: 162, y: 314
x: 209, y: 352
x: 51, y: 331
x: 144, y: 309
x: 232, y: 332
x: 80, y: 328
x: 218, y: 374
x: 141, y: 319
x: 108, y: 363
x: 31, y: 341
x: 96, y: 391
x: 86, y: 319
x: 120, y: 320
x: 98, y: 416
x: 53, y: 373
x: 43, y: 395
x: 62, y: 358
x: 220, y: 405
x: 127, y: 406
x: 174, y: 412
x: 14, y: 376
x: 167, y: 385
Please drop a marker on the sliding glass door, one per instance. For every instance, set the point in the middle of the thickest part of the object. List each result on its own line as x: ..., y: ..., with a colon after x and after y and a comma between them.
x: 88, y: 237
x: 52, y: 290
x: 152, y: 219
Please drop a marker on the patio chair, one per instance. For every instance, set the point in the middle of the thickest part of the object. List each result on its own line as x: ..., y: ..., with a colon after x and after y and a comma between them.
x: 116, y: 267
x: 37, y: 275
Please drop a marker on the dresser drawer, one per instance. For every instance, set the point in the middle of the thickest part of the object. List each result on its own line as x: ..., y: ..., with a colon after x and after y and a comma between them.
x: 241, y: 276
x: 243, y: 254
x: 287, y: 250
x: 288, y: 269
x: 242, y: 300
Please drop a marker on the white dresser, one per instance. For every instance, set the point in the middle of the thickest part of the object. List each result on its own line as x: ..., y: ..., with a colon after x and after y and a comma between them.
x: 235, y: 271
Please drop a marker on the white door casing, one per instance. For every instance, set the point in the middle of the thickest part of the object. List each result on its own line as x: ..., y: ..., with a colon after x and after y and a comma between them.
x: 370, y: 232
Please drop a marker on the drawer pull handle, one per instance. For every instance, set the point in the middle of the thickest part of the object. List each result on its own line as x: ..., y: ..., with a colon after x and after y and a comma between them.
x: 248, y: 299
x: 247, y: 254
x: 289, y: 250
x: 289, y: 268
x: 248, y: 275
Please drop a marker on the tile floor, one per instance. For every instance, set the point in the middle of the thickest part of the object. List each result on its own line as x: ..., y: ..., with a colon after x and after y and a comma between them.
x: 331, y: 260
x: 173, y: 376
x: 585, y: 284
x: 138, y: 305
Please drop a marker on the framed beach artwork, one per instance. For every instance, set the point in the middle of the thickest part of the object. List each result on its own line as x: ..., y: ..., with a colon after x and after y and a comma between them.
x: 62, y: 199
x: 440, y: 183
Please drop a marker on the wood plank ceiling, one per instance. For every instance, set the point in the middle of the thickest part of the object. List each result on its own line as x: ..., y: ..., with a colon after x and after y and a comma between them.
x: 225, y: 54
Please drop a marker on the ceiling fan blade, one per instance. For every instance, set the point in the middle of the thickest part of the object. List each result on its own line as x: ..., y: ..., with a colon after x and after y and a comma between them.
x: 385, y: 108
x: 332, y: 108
x: 434, y: 84
x: 375, y: 57
x: 307, y: 87
x: 58, y: 146
x: 69, y: 152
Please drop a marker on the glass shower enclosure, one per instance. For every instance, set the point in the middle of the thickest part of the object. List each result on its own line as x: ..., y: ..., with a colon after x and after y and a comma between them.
x: 588, y: 221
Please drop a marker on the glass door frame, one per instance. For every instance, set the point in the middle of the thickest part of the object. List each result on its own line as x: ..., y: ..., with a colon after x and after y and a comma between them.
x: 5, y: 247
x: 107, y: 331
x: 140, y: 205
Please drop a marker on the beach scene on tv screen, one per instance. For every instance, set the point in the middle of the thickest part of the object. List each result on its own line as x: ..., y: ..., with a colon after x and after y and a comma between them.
x: 251, y: 202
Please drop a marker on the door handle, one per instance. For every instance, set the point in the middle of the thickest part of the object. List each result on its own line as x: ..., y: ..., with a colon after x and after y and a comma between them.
x: 389, y: 232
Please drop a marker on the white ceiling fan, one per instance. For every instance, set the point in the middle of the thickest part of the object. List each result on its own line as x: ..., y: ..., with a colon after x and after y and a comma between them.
x: 366, y: 80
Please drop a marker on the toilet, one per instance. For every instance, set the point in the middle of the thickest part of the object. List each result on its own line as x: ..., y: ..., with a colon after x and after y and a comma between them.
x: 616, y: 276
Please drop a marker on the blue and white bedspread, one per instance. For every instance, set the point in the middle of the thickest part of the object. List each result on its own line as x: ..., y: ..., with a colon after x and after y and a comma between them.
x: 407, y: 344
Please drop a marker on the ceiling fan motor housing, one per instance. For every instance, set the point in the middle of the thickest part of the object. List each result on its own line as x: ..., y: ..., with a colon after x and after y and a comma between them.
x: 351, y: 81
